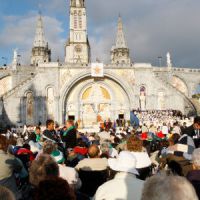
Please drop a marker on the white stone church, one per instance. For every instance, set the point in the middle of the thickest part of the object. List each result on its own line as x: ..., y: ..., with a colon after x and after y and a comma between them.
x: 90, y: 92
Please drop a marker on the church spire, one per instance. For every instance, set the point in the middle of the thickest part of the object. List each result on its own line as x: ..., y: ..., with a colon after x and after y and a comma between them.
x: 39, y: 34
x: 40, y: 51
x: 120, y: 41
x: 120, y: 51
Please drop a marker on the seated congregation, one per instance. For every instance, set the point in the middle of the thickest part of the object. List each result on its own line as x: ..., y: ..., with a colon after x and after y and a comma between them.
x: 63, y: 163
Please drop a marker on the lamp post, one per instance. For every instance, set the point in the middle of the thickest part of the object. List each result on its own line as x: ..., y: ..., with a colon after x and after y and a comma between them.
x: 160, y: 60
x: 18, y: 60
x: 81, y: 114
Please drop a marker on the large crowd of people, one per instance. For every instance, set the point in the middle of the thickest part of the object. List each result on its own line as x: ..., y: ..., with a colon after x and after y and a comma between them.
x: 154, y: 156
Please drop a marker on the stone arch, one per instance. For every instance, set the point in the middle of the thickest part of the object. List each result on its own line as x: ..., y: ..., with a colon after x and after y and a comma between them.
x: 142, y: 85
x: 28, y: 91
x: 95, y: 103
x: 180, y: 84
x: 65, y: 91
x: 4, y: 75
x: 85, y: 87
x: 75, y: 105
x: 49, y: 86
x: 78, y: 78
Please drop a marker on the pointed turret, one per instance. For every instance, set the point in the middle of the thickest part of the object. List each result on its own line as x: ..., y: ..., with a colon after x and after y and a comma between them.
x: 39, y: 35
x: 40, y: 51
x: 169, y: 61
x: 15, y: 60
x: 120, y: 52
x: 120, y: 41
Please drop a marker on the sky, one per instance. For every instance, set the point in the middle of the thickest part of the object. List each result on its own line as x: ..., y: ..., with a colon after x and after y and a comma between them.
x: 152, y: 28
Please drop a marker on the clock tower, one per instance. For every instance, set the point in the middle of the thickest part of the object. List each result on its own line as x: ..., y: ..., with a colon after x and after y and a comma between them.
x: 77, y: 48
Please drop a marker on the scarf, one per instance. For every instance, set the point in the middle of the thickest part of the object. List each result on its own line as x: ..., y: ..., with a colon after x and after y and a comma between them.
x: 69, y: 129
x: 38, y: 136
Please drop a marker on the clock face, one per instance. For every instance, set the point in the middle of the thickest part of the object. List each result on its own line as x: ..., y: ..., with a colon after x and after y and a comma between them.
x: 78, y: 48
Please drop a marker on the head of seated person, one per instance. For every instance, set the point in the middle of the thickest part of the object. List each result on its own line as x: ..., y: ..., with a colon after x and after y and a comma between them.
x: 162, y: 187
x: 26, y: 146
x: 81, y: 143
x: 196, y: 159
x: 126, y: 162
x: 48, y: 147
x: 45, y: 166
x: 105, y: 148
x: 54, y: 188
x: 6, y: 194
x: 134, y: 144
x: 93, y: 151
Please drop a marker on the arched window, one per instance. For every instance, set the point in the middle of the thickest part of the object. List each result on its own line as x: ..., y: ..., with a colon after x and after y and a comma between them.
x: 75, y: 20
x: 142, y: 89
x: 80, y: 19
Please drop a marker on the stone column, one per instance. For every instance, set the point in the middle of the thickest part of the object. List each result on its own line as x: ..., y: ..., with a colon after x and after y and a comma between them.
x: 57, y: 109
x: 1, y: 106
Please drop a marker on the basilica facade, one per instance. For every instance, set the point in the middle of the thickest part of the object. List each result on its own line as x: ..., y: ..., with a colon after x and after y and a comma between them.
x: 90, y: 92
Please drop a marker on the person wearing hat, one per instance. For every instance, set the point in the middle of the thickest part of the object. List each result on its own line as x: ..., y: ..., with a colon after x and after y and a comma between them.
x: 125, y: 185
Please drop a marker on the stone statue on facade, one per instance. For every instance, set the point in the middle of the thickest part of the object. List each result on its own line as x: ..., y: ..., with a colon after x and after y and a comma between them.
x: 169, y: 61
x: 161, y: 101
x: 29, y: 105
x: 15, y: 59
x: 142, y: 100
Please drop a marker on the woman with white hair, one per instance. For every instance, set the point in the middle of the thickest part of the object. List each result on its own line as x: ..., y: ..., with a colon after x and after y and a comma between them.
x: 194, y: 175
x: 163, y: 187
